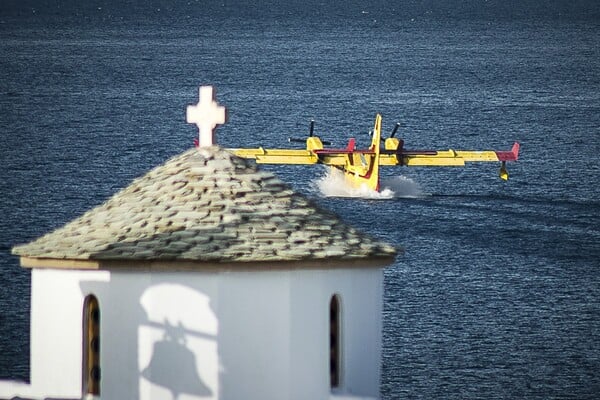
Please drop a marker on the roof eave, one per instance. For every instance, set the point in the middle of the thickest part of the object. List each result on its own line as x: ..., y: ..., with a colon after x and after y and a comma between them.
x: 190, y: 265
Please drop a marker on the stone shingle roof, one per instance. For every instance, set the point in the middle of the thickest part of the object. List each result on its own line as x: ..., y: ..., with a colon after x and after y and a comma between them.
x: 206, y: 205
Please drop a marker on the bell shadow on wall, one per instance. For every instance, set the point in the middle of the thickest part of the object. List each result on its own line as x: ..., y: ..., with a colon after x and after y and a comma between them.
x: 158, y: 342
x: 173, y: 365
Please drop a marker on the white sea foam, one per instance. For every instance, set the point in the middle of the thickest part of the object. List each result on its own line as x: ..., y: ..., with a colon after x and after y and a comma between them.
x: 333, y: 184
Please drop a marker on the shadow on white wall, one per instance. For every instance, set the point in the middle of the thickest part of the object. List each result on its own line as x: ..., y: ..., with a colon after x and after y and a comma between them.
x: 184, y: 348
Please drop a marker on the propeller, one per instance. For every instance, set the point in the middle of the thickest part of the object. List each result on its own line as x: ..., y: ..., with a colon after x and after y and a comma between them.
x: 391, y: 134
x: 393, y: 131
x: 311, y: 132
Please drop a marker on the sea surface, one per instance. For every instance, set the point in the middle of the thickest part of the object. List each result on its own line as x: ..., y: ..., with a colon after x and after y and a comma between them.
x: 497, y: 294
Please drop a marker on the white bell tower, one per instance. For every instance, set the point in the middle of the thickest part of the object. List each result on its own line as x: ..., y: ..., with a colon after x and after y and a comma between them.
x: 205, y: 279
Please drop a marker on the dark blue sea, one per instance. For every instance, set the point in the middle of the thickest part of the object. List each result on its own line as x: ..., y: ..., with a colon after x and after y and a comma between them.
x: 497, y: 295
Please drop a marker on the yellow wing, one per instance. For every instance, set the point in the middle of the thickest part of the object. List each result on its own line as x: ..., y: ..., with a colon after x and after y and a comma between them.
x: 362, y: 166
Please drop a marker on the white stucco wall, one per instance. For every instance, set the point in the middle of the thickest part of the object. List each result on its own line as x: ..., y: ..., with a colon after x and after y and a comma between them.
x: 197, y: 335
x: 361, y: 296
x: 56, y: 334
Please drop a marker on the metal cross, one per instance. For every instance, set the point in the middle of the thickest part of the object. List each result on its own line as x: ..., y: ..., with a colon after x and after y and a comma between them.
x: 207, y: 114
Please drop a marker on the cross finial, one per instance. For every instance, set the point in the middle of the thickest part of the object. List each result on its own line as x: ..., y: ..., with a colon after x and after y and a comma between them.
x: 207, y: 114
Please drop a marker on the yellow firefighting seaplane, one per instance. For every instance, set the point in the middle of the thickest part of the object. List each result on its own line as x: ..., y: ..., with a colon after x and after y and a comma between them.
x: 361, y: 166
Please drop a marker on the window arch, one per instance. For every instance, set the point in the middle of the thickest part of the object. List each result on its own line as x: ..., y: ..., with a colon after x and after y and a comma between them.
x: 335, y: 353
x: 91, y: 346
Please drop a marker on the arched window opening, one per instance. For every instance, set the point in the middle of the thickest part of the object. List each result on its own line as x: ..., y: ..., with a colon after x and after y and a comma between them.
x: 334, y: 342
x: 91, y: 347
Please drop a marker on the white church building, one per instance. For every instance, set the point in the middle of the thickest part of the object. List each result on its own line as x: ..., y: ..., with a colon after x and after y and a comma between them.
x: 206, y: 278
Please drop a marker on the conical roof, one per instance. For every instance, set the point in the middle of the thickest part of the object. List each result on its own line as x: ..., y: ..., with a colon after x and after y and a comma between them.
x: 206, y: 205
